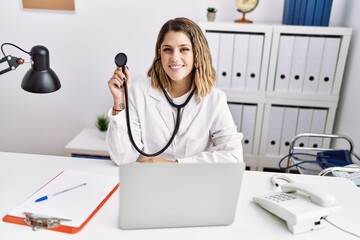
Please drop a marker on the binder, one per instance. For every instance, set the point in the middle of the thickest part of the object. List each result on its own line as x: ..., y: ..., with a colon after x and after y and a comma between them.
x: 326, y: 13
x: 213, y: 40
x: 254, y: 62
x: 313, y: 65
x: 284, y: 63
x: 318, y: 126
x: 304, y: 125
x: 318, y: 12
x: 289, y: 6
x: 248, y: 127
x: 288, y: 129
x: 241, y: 52
x: 226, y: 49
x: 309, y: 14
x: 78, y: 205
x: 274, y: 130
x: 303, y: 11
x: 297, y: 11
x: 330, y: 57
x: 236, y: 112
x: 298, y: 64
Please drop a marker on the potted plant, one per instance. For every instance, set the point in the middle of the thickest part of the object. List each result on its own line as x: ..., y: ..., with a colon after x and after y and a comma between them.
x: 211, y: 14
x: 102, y: 123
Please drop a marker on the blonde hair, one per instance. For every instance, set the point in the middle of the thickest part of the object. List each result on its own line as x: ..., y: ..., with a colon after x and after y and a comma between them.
x: 203, y: 74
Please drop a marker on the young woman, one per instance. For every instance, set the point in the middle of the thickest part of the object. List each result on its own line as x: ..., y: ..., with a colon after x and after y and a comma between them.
x: 182, y: 64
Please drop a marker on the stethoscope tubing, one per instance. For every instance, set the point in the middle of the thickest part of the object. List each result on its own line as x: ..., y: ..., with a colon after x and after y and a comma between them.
x: 177, y: 123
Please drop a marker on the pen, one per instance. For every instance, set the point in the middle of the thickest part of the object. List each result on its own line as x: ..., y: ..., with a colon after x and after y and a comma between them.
x: 54, y: 194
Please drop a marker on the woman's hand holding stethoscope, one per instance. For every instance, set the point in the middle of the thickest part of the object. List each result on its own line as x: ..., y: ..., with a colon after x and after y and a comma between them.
x: 116, y: 85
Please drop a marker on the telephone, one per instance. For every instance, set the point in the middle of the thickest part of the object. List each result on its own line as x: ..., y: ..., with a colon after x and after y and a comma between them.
x: 302, y: 206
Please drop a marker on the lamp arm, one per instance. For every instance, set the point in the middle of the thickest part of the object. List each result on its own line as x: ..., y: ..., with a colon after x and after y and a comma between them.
x: 13, y: 62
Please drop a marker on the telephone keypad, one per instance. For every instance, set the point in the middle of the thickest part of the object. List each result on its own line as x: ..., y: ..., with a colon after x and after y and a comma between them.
x: 280, y: 197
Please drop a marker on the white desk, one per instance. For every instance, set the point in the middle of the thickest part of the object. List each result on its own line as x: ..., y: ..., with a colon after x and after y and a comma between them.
x: 22, y: 174
x: 90, y: 142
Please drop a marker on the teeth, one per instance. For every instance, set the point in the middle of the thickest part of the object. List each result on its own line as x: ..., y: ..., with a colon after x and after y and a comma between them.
x: 175, y: 67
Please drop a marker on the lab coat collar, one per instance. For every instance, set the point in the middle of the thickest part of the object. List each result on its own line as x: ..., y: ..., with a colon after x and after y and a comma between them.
x: 165, y: 110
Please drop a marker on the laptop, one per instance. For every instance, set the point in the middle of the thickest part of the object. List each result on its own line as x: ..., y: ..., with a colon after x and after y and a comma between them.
x: 164, y: 195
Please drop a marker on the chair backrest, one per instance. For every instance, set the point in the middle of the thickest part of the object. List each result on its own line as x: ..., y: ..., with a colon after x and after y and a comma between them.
x: 309, y: 152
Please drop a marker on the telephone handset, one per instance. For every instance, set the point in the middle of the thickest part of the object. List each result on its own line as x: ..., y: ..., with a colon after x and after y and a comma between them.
x: 302, y: 206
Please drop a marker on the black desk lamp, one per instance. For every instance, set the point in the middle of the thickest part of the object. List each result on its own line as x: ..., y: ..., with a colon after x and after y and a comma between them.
x: 40, y: 78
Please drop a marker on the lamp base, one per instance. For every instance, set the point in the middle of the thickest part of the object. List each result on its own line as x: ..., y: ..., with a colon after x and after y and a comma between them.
x: 243, y: 20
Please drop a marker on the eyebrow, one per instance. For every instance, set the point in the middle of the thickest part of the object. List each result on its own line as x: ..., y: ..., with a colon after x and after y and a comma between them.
x: 181, y: 45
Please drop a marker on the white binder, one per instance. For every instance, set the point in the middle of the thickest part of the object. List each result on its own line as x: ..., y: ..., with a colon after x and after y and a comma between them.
x: 298, y: 64
x: 226, y: 49
x: 213, y: 41
x: 330, y: 56
x: 284, y: 63
x: 241, y: 49
x: 254, y: 62
x: 248, y: 127
x: 274, y: 131
x: 288, y: 129
x: 318, y: 126
x: 304, y: 125
x: 236, y: 112
x: 313, y: 65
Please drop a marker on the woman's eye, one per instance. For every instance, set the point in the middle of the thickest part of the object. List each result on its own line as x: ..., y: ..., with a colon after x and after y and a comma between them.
x: 185, y: 49
x: 167, y: 49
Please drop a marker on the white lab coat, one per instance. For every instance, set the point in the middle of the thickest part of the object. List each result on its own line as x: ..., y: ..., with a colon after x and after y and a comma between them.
x: 207, y: 131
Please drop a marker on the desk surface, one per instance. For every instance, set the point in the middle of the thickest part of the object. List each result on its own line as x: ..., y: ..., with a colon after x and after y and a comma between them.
x: 22, y: 174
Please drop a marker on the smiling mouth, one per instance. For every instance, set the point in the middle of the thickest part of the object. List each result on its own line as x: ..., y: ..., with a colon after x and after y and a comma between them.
x: 176, y: 67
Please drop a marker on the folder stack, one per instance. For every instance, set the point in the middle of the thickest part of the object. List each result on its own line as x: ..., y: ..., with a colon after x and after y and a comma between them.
x: 307, y: 64
x: 237, y: 59
x: 307, y: 12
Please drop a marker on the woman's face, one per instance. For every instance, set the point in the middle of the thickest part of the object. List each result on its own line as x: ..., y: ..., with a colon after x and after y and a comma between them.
x: 177, y: 56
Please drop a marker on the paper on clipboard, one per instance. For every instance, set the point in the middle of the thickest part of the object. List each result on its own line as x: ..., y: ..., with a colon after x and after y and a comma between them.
x: 78, y: 205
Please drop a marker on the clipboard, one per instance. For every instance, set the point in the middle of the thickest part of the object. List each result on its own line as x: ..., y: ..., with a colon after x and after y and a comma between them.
x: 70, y: 211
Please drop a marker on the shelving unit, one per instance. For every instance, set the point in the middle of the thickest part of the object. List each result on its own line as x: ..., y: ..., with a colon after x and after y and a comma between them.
x: 280, y: 80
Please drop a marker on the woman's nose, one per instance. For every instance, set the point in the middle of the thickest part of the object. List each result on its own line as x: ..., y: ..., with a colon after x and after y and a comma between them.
x: 176, y: 55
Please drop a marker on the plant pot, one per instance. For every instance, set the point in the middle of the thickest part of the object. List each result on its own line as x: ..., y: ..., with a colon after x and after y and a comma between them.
x: 211, y: 16
x: 101, y: 134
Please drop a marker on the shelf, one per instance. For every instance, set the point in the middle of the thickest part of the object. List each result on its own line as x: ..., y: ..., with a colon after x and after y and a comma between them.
x: 89, y: 143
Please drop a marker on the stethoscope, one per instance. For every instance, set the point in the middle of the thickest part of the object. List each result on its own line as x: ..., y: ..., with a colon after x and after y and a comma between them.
x: 120, y: 61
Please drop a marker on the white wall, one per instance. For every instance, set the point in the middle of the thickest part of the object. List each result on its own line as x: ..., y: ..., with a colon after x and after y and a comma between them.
x: 348, y: 115
x: 82, y: 47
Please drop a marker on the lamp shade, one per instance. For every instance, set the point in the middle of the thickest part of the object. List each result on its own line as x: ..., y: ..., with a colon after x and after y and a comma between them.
x: 40, y: 78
